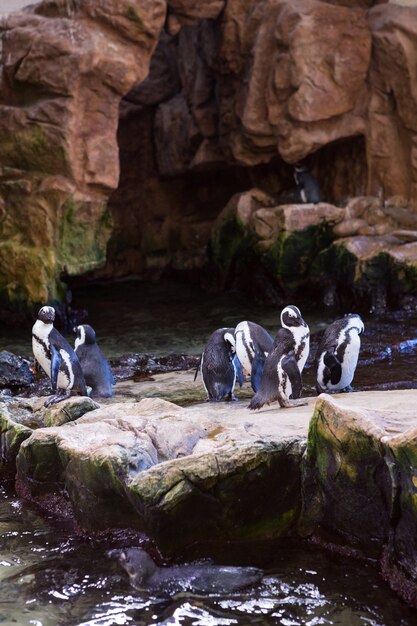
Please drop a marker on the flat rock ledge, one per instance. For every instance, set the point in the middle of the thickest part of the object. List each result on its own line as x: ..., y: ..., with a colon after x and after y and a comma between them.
x: 341, y: 470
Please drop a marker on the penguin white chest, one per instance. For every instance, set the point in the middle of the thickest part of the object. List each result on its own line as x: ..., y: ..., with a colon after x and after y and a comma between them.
x: 350, y: 359
x: 40, y: 345
x: 244, y: 345
x: 302, y: 345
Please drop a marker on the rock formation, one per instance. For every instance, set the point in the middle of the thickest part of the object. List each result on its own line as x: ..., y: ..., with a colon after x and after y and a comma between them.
x: 203, y: 100
x: 336, y: 470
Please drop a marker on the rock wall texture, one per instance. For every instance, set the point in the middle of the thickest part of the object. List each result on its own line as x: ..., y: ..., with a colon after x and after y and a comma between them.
x: 202, y: 100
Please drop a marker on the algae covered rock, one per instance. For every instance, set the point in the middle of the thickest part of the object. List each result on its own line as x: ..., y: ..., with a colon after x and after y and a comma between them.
x: 347, y: 484
x: 20, y: 417
x: 180, y: 475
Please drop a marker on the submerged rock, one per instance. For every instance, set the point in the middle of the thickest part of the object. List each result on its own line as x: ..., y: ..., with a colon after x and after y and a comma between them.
x: 144, y: 573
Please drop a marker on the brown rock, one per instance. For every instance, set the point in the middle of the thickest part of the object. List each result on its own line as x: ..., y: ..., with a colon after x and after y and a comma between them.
x: 349, y: 227
x: 64, y: 69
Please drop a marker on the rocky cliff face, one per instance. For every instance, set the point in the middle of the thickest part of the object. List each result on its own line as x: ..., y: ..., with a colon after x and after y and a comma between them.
x: 200, y: 101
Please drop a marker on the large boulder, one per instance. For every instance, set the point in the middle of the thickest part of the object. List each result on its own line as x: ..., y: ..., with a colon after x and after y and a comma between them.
x: 181, y: 475
x: 359, y: 484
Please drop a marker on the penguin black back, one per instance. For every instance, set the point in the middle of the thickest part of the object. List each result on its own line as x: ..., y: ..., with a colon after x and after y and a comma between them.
x: 96, y: 369
x: 281, y: 377
x: 218, y: 370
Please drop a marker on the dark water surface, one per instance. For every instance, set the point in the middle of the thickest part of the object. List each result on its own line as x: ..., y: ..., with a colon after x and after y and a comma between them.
x: 50, y: 577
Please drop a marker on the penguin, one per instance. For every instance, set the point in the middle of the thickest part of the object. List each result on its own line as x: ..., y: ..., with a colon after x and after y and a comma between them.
x: 292, y: 320
x: 281, y: 377
x: 252, y: 339
x: 219, y: 366
x: 307, y: 184
x: 196, y: 577
x: 56, y: 357
x: 95, y: 367
x: 337, y: 354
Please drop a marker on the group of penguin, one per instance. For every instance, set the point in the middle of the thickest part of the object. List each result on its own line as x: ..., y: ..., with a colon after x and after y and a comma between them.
x: 70, y: 369
x: 275, y: 365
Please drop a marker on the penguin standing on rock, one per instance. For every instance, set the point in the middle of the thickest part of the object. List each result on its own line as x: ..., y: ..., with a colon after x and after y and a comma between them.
x: 292, y: 320
x: 253, y: 344
x: 307, y: 184
x: 337, y: 354
x: 219, y: 366
x: 56, y: 357
x: 281, y: 377
x: 95, y: 367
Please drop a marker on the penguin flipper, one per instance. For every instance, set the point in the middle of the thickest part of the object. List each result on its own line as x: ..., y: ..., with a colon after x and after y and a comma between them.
x: 290, y: 367
x: 238, y: 369
x: 333, y: 364
x: 56, y: 360
x: 197, y: 369
x: 258, y: 364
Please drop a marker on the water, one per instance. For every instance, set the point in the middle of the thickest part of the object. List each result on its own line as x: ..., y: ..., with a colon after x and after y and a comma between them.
x: 49, y: 576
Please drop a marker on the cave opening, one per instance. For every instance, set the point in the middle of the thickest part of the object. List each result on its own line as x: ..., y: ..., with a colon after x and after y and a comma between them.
x: 169, y: 196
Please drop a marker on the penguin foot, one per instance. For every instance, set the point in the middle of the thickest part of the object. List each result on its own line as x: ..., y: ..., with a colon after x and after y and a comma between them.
x: 348, y: 389
x: 62, y: 395
x: 289, y: 404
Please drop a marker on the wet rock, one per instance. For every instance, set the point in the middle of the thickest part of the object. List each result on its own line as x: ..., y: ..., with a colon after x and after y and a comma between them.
x: 140, y: 366
x: 359, y: 481
x: 144, y: 573
x: 14, y: 371
x: 156, y: 467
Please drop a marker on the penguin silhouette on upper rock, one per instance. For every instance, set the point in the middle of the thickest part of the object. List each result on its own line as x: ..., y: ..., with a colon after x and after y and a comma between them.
x: 338, y: 353
x: 219, y: 366
x: 307, y: 184
x: 95, y: 367
x: 252, y: 339
x: 281, y: 376
x: 56, y: 357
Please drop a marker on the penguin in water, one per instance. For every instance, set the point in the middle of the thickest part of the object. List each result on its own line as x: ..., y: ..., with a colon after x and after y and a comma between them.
x: 292, y: 320
x: 307, y: 184
x: 337, y: 354
x: 95, y: 367
x: 281, y: 376
x: 56, y: 357
x: 199, y: 577
x: 219, y: 366
x: 252, y: 339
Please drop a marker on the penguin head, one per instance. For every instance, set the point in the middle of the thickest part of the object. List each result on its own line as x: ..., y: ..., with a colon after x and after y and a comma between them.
x: 85, y: 334
x: 355, y: 321
x: 300, y: 167
x: 46, y: 314
x: 291, y: 317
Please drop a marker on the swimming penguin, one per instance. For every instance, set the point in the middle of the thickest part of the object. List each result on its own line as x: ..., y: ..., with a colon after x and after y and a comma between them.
x: 337, y: 354
x: 307, y: 184
x: 56, y: 357
x: 292, y: 320
x: 281, y: 376
x: 219, y: 365
x: 199, y: 577
x: 95, y: 367
x: 252, y: 339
